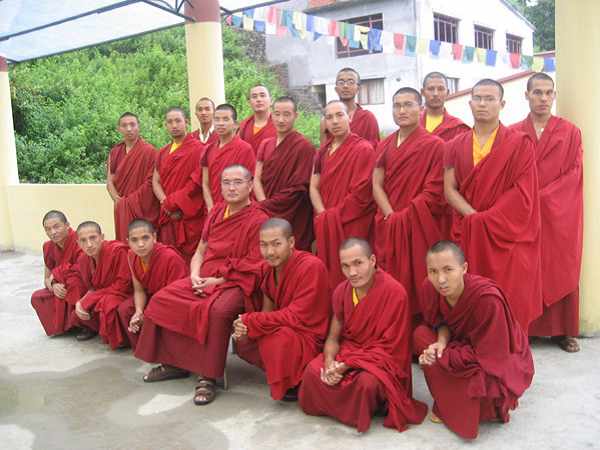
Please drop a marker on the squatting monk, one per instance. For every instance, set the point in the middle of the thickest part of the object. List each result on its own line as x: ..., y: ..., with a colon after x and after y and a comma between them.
x: 258, y: 126
x: 227, y: 150
x: 129, y: 176
x: 205, y: 113
x: 559, y: 161
x: 188, y: 324
x: 101, y: 282
x: 434, y: 117
x: 365, y: 365
x: 408, y: 188
x: 362, y: 122
x: 283, y: 169
x: 473, y: 352
x: 341, y: 189
x: 153, y: 266
x: 289, y: 330
x: 61, y: 251
x: 490, y: 181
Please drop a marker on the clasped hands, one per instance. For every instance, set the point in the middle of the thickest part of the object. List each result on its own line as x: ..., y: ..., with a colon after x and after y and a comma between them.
x: 431, y: 354
x: 334, y: 373
x: 201, y: 283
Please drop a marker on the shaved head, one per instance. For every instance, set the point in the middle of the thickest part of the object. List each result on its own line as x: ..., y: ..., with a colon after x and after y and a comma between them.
x: 55, y: 214
x: 409, y: 90
x: 362, y: 243
x: 538, y: 76
x: 278, y: 224
x: 141, y: 223
x: 247, y: 174
x: 89, y: 224
x: 489, y: 82
x: 442, y: 246
x: 436, y: 75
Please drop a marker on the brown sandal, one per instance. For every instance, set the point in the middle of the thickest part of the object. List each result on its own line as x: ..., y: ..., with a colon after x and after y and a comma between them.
x: 205, y: 391
x: 165, y: 372
x: 568, y: 343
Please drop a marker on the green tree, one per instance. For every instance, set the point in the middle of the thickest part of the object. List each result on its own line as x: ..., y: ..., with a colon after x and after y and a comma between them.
x: 541, y: 14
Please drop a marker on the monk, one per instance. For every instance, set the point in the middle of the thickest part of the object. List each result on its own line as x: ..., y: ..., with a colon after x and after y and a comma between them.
x: 490, y: 181
x: 187, y: 325
x: 259, y: 126
x: 129, y: 176
x: 362, y: 122
x: 227, y: 150
x: 365, y: 365
x: 408, y: 188
x: 559, y: 162
x: 60, y: 253
x: 473, y: 352
x: 290, y: 329
x: 341, y: 189
x: 435, y: 118
x: 181, y: 215
x: 153, y: 266
x: 101, y: 281
x: 283, y: 169
x: 205, y: 113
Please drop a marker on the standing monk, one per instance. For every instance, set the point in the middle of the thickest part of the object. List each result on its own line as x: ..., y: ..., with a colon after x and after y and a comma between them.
x: 435, y: 118
x: 188, y: 324
x: 341, y: 189
x: 129, y: 176
x: 205, y: 112
x: 181, y: 214
x: 60, y: 253
x: 408, y: 187
x: 259, y: 126
x: 282, y: 176
x: 559, y: 159
x: 474, y: 354
x: 290, y: 329
x: 153, y: 266
x: 490, y: 180
x: 365, y: 365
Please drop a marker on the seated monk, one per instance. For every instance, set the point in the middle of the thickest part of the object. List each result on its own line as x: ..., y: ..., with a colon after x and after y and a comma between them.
x: 290, y: 329
x: 225, y: 273
x: 474, y: 354
x: 366, y: 363
x: 153, y: 266
x: 101, y: 282
x: 60, y: 253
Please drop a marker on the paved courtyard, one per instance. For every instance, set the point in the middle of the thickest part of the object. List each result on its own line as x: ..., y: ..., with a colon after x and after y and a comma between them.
x: 57, y: 393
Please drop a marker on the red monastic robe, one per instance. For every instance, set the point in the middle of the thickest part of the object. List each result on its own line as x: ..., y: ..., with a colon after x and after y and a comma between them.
x: 132, y: 177
x: 487, y: 364
x: 449, y: 128
x: 175, y: 170
x: 375, y: 341
x: 212, y: 137
x: 363, y: 124
x: 176, y: 327
x: 347, y: 193
x: 55, y: 313
x: 415, y: 188
x: 164, y: 267
x: 285, y: 178
x: 559, y: 159
x: 246, y: 132
x: 291, y: 335
x: 502, y: 240
x: 102, y: 287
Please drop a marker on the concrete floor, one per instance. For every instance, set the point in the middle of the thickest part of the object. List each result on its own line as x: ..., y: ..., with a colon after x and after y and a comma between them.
x: 57, y: 393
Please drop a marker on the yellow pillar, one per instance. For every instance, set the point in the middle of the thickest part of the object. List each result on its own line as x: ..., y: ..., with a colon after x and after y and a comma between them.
x: 204, y: 49
x: 9, y: 174
x: 577, y: 45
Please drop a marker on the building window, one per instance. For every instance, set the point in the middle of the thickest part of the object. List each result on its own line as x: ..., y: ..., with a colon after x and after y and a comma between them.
x: 452, y: 85
x: 484, y: 37
x: 445, y: 28
x: 513, y: 43
x: 371, y: 92
x: 372, y: 21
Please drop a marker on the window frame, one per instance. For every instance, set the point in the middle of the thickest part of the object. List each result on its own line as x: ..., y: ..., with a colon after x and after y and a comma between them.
x: 483, y: 32
x: 440, y: 20
x: 371, y: 21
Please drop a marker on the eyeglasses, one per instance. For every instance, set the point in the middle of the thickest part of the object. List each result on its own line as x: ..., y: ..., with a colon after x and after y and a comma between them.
x: 486, y: 99
x: 234, y: 183
x: 345, y: 82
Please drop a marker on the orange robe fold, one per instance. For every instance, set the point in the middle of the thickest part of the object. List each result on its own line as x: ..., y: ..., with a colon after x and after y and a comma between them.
x: 246, y: 132
x: 449, y: 128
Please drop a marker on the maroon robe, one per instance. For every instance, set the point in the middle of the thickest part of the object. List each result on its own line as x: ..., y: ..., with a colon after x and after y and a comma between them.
x: 55, y: 313
x: 559, y: 160
x: 449, y: 128
x: 486, y: 366
x: 291, y: 335
x: 375, y: 341
x: 285, y: 179
x: 132, y: 178
x: 502, y: 239
x: 246, y: 132
x: 363, y: 124
x: 347, y: 193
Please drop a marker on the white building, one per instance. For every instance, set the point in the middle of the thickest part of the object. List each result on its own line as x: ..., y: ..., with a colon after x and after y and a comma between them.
x: 492, y: 24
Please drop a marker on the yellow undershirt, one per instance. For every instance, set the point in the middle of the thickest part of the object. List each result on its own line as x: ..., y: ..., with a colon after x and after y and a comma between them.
x: 226, y: 213
x: 145, y: 266
x: 432, y: 122
x: 174, y: 147
x: 480, y: 152
x: 355, y: 298
x: 256, y: 129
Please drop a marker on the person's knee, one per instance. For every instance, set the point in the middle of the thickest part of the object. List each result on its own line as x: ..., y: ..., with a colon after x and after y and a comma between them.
x: 368, y: 382
x: 423, y: 337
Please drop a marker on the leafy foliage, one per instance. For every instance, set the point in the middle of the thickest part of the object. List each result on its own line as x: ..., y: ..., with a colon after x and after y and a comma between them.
x: 541, y: 14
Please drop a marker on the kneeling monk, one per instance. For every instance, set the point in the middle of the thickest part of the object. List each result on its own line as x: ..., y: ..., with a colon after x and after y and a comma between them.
x: 474, y: 353
x: 365, y: 365
x: 188, y: 324
x: 290, y: 330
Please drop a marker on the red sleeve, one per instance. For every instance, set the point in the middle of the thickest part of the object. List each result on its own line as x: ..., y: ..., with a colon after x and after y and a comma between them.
x: 381, y: 159
x: 450, y: 154
x: 319, y: 161
x: 204, y: 159
x: 260, y: 154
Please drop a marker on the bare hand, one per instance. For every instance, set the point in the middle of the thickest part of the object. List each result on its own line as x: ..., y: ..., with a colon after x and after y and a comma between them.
x: 59, y: 290
x: 82, y: 313
x: 431, y: 354
x: 333, y: 374
x: 135, y: 324
x: 239, y: 329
